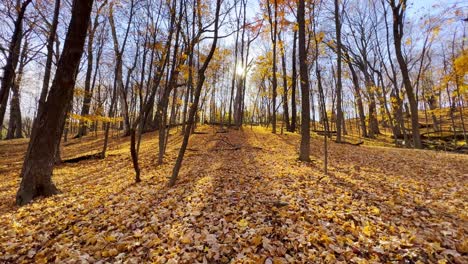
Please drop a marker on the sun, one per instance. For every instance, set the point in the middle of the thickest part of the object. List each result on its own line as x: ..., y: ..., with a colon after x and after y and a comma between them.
x: 240, y: 69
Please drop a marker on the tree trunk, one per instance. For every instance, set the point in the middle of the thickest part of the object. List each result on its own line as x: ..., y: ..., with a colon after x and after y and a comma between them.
x: 15, y: 126
x: 304, y: 154
x: 339, y: 111
x: 357, y: 94
x: 234, y: 72
x: 118, y: 52
x: 39, y: 162
x: 273, y: 34
x: 88, y: 88
x: 398, y: 24
x: 194, y: 106
x: 293, y: 86
x: 285, y: 88
x: 12, y: 60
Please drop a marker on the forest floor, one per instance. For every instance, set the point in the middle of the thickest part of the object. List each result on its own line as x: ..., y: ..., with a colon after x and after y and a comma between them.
x: 241, y: 197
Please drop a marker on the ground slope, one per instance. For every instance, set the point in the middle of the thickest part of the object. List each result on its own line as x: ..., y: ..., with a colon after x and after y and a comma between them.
x: 242, y: 197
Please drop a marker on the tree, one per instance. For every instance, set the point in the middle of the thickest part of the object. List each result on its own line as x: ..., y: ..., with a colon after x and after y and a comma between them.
x: 273, y: 19
x: 398, y: 11
x: 15, y: 126
x: 89, y: 86
x: 194, y: 106
x: 304, y: 154
x: 294, y: 85
x: 339, y: 85
x: 39, y: 161
x: 50, y: 53
x: 12, y: 59
x: 118, y: 53
x: 285, y: 85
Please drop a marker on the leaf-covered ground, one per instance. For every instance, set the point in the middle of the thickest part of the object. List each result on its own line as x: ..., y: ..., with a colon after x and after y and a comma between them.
x: 242, y: 197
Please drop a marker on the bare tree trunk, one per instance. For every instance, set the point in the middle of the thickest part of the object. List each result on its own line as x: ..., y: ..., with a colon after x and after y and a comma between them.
x: 339, y: 111
x: 293, y: 85
x: 398, y: 24
x: 234, y: 72
x: 304, y: 154
x: 171, y: 84
x: 12, y: 60
x: 194, y: 106
x: 118, y: 51
x: 50, y: 54
x: 285, y: 87
x: 15, y: 126
x: 273, y: 19
x: 39, y: 162
x: 88, y: 87
x: 357, y: 94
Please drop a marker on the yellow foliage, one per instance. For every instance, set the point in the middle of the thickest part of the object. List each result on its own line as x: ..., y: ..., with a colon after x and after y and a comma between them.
x: 461, y: 64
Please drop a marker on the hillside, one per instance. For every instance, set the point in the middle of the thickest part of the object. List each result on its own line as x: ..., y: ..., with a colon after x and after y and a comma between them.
x: 242, y: 197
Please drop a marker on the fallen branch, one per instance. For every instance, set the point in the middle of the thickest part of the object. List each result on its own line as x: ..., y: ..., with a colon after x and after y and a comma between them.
x: 200, y: 133
x: 192, y: 149
x: 352, y: 144
x: 222, y: 149
x: 84, y: 157
x: 323, y: 131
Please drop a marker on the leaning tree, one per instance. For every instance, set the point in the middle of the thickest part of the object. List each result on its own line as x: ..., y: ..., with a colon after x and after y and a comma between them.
x: 39, y: 160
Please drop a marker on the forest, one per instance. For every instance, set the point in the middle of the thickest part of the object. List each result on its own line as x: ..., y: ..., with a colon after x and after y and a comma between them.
x: 233, y: 131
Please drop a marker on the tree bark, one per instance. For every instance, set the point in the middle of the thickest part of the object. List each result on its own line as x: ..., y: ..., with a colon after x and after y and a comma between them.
x: 88, y: 88
x: 50, y: 54
x: 357, y: 94
x: 39, y: 162
x: 339, y: 88
x: 12, y: 60
x: 293, y: 85
x: 118, y: 52
x: 15, y: 126
x: 274, y: 30
x: 194, y: 106
x: 285, y: 87
x: 398, y: 11
x: 304, y: 154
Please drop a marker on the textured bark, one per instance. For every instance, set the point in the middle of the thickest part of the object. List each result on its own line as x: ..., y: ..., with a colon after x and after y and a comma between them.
x: 239, y: 99
x: 372, y: 105
x: 398, y: 11
x: 12, y: 60
x: 170, y: 85
x: 15, y: 126
x: 357, y: 94
x: 293, y: 85
x: 234, y: 72
x: 39, y: 161
x: 50, y: 54
x: 273, y: 19
x: 118, y: 53
x: 339, y: 111
x: 194, y: 106
x: 88, y: 87
x: 304, y: 154
x: 285, y: 88
x: 191, y: 45
x: 134, y: 155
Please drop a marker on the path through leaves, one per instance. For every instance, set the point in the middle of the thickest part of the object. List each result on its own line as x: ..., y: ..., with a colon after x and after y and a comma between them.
x: 242, y: 197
